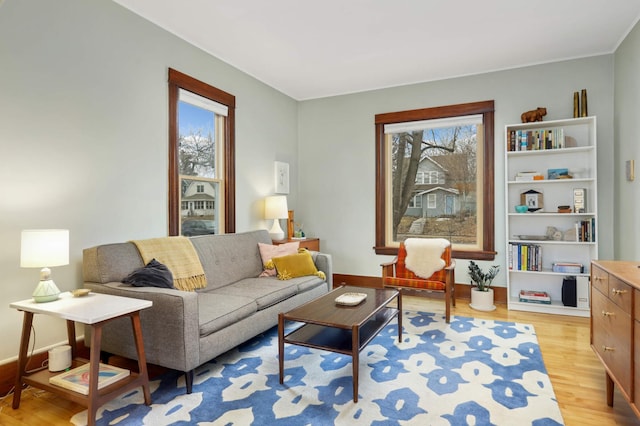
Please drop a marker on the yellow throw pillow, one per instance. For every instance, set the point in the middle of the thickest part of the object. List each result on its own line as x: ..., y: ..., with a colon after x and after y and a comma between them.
x: 296, y: 265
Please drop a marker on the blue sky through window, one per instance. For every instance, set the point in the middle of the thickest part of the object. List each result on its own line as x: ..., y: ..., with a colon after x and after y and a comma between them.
x: 192, y: 118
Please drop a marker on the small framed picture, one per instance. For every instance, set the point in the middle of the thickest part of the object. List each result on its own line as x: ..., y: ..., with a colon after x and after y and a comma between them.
x: 282, y: 177
x: 532, y: 199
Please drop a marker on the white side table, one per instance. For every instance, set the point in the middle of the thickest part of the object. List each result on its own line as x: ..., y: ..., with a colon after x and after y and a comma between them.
x: 95, y: 310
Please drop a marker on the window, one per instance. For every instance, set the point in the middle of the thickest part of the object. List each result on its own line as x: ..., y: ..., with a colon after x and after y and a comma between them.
x: 431, y: 201
x: 416, y: 201
x: 429, y: 177
x: 444, y: 156
x: 201, y: 154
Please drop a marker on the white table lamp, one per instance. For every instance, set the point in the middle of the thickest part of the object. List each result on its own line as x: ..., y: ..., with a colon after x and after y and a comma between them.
x: 42, y: 248
x: 275, y: 207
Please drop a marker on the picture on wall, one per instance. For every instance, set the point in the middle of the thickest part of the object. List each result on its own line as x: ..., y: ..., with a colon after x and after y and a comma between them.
x: 282, y: 177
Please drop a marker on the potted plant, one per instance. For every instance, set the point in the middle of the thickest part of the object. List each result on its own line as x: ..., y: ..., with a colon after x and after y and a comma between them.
x: 482, y: 293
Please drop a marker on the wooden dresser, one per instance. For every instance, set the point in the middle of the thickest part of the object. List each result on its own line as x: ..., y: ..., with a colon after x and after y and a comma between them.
x: 615, y: 326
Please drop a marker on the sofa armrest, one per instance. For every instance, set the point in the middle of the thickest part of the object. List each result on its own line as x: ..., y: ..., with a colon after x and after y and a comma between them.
x: 170, y: 328
x: 323, y: 263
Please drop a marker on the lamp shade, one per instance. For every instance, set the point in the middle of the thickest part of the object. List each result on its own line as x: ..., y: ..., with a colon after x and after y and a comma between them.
x: 44, y: 247
x: 275, y: 207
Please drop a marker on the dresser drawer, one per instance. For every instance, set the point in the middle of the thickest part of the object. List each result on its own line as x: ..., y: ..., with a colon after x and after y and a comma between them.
x: 611, y: 338
x: 599, y: 279
x: 621, y: 294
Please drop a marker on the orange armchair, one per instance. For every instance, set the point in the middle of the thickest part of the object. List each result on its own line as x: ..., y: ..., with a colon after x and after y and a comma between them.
x: 396, y: 274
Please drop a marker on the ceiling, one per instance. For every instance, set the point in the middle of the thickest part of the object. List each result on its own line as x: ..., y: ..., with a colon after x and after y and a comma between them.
x: 313, y: 49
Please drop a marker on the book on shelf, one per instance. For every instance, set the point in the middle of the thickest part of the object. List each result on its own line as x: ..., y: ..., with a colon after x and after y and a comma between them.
x: 525, y: 257
x: 532, y: 296
x: 561, y: 173
x: 77, y: 379
x: 568, y: 267
x: 586, y: 230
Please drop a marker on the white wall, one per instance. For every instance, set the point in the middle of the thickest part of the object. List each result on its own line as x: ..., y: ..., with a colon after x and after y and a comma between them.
x: 627, y: 143
x: 337, y: 179
x: 83, y: 137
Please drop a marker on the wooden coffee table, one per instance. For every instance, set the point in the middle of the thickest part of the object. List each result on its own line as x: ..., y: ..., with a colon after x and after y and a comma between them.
x: 337, y: 328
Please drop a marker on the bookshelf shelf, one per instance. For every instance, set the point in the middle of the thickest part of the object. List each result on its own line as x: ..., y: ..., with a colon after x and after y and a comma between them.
x: 555, y: 307
x: 537, y: 239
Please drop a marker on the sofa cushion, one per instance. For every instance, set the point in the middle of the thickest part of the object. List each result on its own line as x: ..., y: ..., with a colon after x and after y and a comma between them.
x: 227, y: 258
x: 307, y: 282
x: 269, y: 251
x: 265, y: 291
x: 153, y: 274
x: 296, y: 265
x: 216, y: 311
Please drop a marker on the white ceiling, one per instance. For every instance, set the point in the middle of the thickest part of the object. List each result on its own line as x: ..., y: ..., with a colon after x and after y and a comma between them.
x: 311, y: 49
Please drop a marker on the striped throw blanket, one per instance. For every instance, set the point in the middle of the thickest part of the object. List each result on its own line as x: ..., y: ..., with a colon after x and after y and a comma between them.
x: 179, y: 255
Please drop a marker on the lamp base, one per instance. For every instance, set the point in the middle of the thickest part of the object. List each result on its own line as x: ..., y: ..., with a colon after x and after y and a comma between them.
x: 276, y: 233
x: 46, y: 291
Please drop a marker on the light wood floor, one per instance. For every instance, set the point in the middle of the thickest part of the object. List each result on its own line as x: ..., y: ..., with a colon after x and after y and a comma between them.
x: 576, y: 374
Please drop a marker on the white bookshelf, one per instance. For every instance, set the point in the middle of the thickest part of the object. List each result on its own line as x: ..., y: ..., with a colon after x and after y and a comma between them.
x: 577, y: 153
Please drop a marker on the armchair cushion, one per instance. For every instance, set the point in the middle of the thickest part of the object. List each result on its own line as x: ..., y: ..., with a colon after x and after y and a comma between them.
x: 419, y: 283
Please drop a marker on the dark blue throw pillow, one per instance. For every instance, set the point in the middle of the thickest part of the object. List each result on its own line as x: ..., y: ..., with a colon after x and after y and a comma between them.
x: 153, y: 274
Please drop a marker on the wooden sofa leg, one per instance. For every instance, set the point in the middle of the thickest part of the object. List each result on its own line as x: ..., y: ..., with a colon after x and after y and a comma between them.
x: 188, y: 378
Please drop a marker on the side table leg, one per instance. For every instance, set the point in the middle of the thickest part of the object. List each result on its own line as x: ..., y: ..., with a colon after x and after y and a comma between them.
x: 27, y: 322
x: 71, y: 337
x: 142, y: 359
x: 281, y: 345
x: 355, y: 361
x: 94, y: 368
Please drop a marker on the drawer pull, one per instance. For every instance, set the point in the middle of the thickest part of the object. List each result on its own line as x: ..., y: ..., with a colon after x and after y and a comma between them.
x: 608, y: 348
x: 597, y: 278
x: 607, y: 314
x: 616, y: 291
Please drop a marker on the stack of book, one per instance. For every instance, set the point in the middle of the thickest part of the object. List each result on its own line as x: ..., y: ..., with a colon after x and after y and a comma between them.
x: 530, y: 296
x: 528, y: 176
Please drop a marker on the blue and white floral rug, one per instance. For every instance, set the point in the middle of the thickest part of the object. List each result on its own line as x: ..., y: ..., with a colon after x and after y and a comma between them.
x: 469, y: 372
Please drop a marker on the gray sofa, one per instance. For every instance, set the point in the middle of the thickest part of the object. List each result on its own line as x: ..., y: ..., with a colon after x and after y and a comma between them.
x: 183, y: 330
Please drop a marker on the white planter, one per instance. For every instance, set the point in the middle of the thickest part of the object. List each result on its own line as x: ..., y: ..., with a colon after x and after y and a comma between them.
x: 482, y: 300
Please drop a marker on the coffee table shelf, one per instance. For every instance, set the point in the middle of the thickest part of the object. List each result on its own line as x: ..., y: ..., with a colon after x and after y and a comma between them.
x: 339, y: 339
